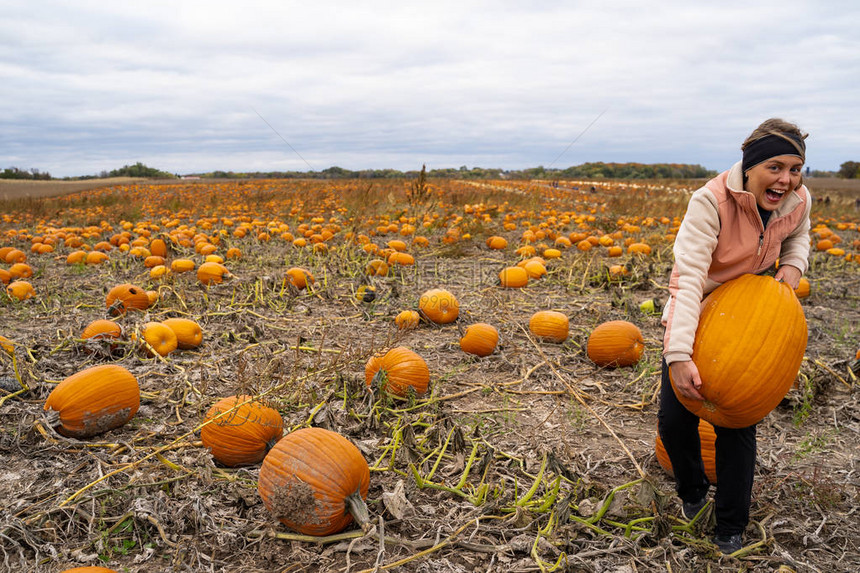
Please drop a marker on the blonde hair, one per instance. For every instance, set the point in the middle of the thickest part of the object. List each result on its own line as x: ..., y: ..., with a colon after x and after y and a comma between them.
x: 780, y: 128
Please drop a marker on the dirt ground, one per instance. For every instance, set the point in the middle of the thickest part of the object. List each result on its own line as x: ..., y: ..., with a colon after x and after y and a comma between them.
x: 531, y: 459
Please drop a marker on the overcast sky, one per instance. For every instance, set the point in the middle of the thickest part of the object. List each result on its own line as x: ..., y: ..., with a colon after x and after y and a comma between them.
x: 195, y: 86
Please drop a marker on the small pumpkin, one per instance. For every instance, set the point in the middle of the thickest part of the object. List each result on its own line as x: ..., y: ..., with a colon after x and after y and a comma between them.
x: 315, y: 481
x: 188, y: 333
x: 513, y: 277
x: 160, y: 338
x: 497, y: 243
x: 707, y: 440
x: 182, y: 265
x: 376, y: 267
x: 398, y: 370
x: 102, y: 329
x: 803, y: 288
x: 244, y: 434
x: 22, y: 290
x: 407, y: 320
x: 158, y: 248
x: 439, y: 306
x: 400, y: 258
x: 212, y: 273
x: 300, y: 278
x: 748, y: 348
x: 479, y: 339
x: 96, y: 258
x: 21, y: 271
x: 615, y: 343
x: 549, y: 325
x: 125, y: 297
x: 94, y: 400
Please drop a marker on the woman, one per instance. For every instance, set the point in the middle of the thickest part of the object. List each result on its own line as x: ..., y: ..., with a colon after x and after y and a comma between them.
x: 739, y: 222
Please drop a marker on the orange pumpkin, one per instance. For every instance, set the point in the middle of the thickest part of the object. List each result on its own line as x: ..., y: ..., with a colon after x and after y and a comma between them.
x: 803, y: 288
x: 95, y: 400
x: 407, y: 320
x: 102, y: 329
x: 402, y: 259
x: 707, y: 439
x: 22, y: 290
x: 212, y: 273
x: 615, y: 343
x: 300, y: 278
x: 376, y: 267
x: 5, y: 276
x: 160, y: 338
x: 513, y: 277
x: 188, y: 333
x: 244, y: 434
x: 479, y: 339
x: 439, y: 306
x: 21, y: 271
x: 182, y: 265
x: 398, y: 370
x: 315, y: 481
x: 497, y: 243
x: 96, y: 258
x: 549, y: 325
x: 124, y: 297
x: 158, y: 248
x: 748, y: 348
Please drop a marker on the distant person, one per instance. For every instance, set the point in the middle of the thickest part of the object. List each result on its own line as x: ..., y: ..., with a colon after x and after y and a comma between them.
x: 739, y: 222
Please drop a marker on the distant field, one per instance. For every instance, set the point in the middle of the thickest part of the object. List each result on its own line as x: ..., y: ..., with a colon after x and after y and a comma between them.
x: 18, y: 189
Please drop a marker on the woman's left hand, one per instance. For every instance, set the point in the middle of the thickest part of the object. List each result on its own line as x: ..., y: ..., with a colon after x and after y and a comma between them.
x: 789, y: 275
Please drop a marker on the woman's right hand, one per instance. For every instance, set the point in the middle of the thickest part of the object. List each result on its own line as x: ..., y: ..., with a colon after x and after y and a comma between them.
x: 686, y: 377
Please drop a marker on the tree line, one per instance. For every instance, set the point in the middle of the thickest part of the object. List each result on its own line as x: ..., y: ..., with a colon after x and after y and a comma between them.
x: 593, y: 170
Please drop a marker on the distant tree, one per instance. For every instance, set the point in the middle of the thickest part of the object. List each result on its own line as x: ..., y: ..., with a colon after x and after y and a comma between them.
x: 139, y: 170
x: 849, y: 170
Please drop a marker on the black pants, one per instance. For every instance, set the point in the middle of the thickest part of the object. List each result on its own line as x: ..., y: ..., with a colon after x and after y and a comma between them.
x: 735, y: 459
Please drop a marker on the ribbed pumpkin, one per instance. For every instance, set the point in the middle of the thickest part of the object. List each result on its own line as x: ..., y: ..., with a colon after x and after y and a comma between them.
x: 615, y: 343
x: 188, y: 333
x: 315, y: 481
x: 158, y: 248
x: 748, y: 348
x: 241, y: 436
x: 549, y: 325
x: 398, y: 370
x: 407, y: 320
x: 95, y: 400
x: 182, y: 265
x: 513, y: 277
x: 479, y: 339
x: 125, y: 297
x: 707, y: 439
x: 439, y: 306
x: 402, y: 259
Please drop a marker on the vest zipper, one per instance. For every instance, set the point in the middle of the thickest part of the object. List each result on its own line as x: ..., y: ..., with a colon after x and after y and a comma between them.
x: 760, y: 243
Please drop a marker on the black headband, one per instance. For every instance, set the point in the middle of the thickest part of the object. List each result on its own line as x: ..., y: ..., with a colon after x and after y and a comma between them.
x: 771, y: 146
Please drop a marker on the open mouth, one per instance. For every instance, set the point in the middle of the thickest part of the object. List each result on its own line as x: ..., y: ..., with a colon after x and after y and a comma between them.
x: 774, y: 195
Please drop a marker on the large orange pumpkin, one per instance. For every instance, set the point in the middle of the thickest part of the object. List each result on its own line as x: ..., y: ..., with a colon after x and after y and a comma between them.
x: 707, y: 439
x: 398, y: 370
x: 241, y: 436
x: 615, y: 343
x: 748, y: 348
x: 549, y: 325
x: 513, y: 277
x: 439, y: 306
x: 315, y: 481
x: 95, y: 400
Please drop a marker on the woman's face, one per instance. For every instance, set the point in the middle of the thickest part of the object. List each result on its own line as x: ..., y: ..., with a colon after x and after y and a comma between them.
x: 770, y: 181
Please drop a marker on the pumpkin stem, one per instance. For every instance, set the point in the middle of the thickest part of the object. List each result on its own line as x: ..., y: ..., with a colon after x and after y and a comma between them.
x: 358, y: 509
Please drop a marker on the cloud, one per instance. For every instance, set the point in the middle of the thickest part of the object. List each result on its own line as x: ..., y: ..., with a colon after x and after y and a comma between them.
x: 88, y: 86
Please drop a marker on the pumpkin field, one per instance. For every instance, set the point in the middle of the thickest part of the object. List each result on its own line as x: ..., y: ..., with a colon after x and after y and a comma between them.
x: 390, y: 375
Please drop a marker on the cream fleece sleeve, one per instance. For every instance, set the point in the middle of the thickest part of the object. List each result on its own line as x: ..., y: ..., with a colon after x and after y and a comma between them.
x: 694, y: 247
x: 795, y: 247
